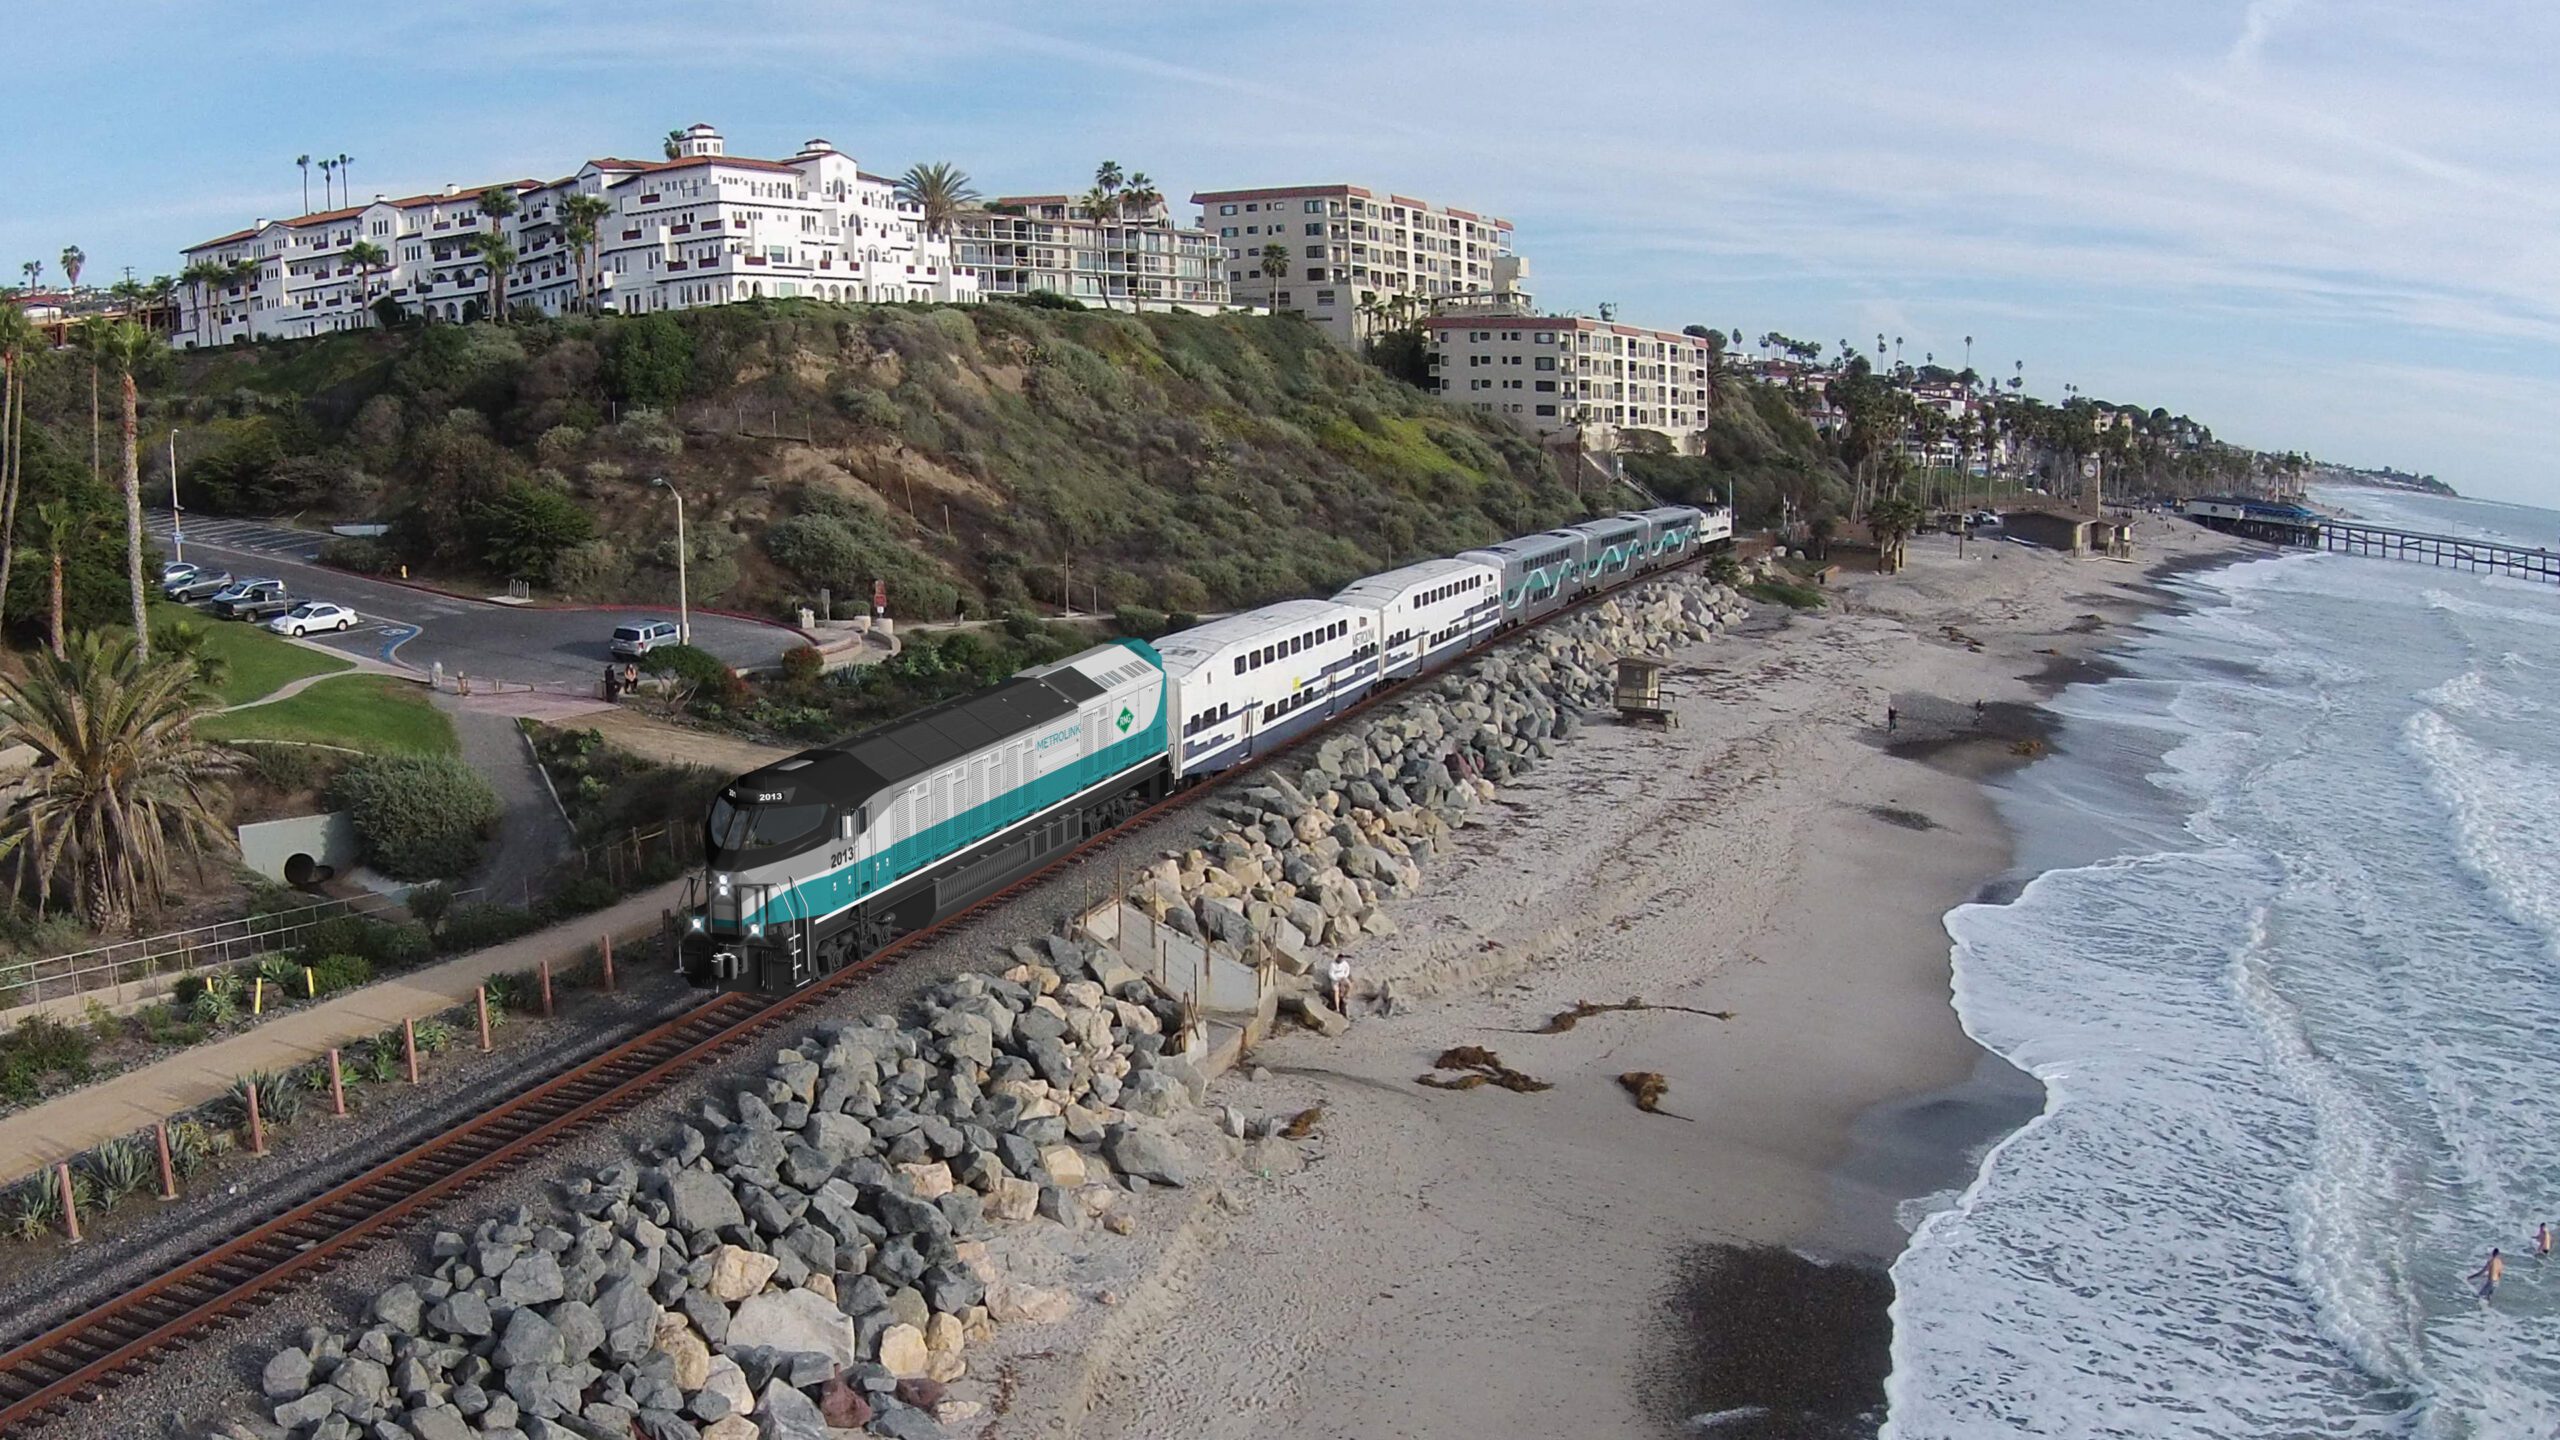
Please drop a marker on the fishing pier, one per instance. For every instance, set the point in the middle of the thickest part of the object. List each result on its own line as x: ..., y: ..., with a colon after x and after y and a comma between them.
x: 2296, y: 525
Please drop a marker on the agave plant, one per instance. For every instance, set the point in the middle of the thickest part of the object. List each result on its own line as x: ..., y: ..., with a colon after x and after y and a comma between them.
x: 434, y: 1037
x: 190, y: 1146
x: 120, y: 1168
x: 34, y: 1207
x: 282, y: 973
x: 378, y: 1064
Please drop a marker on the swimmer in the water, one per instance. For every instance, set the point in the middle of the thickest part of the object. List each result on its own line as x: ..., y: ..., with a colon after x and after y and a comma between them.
x: 2490, y: 1274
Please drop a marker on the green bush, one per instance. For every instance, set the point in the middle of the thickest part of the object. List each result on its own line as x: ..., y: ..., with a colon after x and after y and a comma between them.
x: 1779, y: 592
x: 417, y: 817
x: 400, y: 946
x: 478, y: 923
x: 430, y: 903
x: 333, y: 973
x: 649, y: 361
x: 709, y: 676
x: 360, y: 555
x: 579, y: 896
x: 802, y: 664
x: 527, y: 527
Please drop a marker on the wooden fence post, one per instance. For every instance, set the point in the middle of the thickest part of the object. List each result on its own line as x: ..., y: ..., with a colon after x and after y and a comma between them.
x: 337, y: 1086
x: 604, y: 948
x: 409, y: 1043
x: 482, y: 999
x: 70, y: 1202
x: 257, y: 1127
x: 546, y: 987
x: 168, y: 1171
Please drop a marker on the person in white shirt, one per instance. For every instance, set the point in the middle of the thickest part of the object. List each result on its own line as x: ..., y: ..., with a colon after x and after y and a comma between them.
x: 1340, y: 974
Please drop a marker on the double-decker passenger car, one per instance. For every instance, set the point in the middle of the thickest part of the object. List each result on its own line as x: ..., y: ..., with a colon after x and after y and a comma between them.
x: 1250, y: 683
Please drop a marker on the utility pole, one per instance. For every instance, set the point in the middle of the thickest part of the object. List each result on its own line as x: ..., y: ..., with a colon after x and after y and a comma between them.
x: 177, y: 517
x: 684, y: 603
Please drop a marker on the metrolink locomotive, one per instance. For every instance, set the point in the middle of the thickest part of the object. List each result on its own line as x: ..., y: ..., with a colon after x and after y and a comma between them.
x: 817, y: 861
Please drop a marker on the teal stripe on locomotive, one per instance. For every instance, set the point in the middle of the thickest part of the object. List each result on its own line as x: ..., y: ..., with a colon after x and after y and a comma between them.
x: 823, y: 895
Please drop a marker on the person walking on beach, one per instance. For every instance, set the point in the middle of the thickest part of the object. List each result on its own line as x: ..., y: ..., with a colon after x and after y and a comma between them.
x: 1340, y: 974
x: 2490, y: 1274
x: 2542, y: 1241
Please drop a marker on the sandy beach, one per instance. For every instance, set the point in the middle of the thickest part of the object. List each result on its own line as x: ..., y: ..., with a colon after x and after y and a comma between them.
x: 1487, y: 1262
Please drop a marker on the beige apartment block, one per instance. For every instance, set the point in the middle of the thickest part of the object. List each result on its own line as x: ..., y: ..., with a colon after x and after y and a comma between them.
x: 1357, y: 255
x: 1565, y: 377
x: 1137, y: 260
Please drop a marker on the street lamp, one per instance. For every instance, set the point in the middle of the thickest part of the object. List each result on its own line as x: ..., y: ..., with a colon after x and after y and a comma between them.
x: 177, y: 517
x: 684, y: 606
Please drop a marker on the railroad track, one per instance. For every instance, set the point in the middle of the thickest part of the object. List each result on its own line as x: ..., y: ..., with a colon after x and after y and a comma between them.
x: 85, y: 1359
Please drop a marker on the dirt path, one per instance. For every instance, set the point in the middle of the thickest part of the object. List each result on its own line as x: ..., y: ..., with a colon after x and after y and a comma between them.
x: 654, y: 739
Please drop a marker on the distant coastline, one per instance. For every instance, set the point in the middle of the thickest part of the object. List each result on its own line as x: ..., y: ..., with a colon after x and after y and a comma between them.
x: 2382, y: 479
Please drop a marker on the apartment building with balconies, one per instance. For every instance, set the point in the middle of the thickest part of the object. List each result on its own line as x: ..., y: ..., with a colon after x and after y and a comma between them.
x: 1358, y: 258
x: 1565, y: 377
x: 1131, y: 259
x: 702, y: 228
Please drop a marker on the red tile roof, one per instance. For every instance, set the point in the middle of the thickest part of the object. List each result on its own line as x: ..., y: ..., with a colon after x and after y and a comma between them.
x: 325, y: 217
x: 1281, y: 192
x: 233, y: 237
x: 739, y: 161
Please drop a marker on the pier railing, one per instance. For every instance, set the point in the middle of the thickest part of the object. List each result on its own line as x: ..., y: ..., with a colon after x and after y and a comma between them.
x: 2452, y: 552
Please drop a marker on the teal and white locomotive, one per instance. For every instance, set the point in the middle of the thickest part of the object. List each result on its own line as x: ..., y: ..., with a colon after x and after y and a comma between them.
x: 820, y: 860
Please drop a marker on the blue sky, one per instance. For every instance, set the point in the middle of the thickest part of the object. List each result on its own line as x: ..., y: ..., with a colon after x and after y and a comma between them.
x: 2325, y: 226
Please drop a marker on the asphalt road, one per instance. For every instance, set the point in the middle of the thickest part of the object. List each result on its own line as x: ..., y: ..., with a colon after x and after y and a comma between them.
x: 420, y: 628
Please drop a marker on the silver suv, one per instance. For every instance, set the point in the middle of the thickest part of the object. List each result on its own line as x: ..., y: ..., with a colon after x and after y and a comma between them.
x: 642, y: 636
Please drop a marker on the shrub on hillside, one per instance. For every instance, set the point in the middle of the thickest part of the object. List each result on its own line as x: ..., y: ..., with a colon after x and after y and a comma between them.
x: 524, y: 530
x: 362, y: 556
x: 650, y: 361
x: 476, y: 924
x: 417, y: 817
x: 691, y: 664
x: 333, y: 973
x: 802, y: 664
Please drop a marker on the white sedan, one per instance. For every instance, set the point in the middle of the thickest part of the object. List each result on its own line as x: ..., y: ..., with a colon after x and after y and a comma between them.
x: 313, y: 615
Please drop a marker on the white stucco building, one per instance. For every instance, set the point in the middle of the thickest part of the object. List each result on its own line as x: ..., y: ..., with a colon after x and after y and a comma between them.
x: 1350, y: 247
x: 1563, y: 376
x: 1021, y: 244
x: 703, y: 228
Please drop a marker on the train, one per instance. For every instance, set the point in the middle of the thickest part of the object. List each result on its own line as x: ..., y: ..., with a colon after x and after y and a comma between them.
x: 818, y: 861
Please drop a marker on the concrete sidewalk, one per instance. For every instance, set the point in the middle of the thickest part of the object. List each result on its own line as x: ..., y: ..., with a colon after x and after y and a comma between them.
x: 121, y: 1104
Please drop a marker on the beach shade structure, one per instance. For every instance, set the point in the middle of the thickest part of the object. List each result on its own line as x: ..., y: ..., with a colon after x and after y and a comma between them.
x: 1639, y: 695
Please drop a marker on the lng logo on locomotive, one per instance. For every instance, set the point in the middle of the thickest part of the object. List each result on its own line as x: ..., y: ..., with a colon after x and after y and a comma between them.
x: 821, y: 859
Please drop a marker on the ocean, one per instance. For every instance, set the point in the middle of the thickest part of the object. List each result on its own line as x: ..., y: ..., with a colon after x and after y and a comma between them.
x: 2289, y: 970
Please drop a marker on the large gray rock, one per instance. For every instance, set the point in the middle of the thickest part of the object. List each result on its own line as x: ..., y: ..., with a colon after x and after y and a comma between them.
x: 1151, y: 1093
x: 440, y: 1422
x: 287, y: 1376
x: 1146, y: 1153
x: 580, y: 1331
x: 794, y: 1320
x: 783, y: 1413
x: 400, y: 1307
x: 529, y: 1340
x: 699, y: 1201
x: 311, y: 1407
x: 364, y: 1380
x: 838, y: 1137
x: 533, y: 1280
x: 461, y: 1313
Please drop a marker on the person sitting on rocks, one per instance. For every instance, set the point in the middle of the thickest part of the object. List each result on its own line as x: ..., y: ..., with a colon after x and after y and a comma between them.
x: 1340, y: 974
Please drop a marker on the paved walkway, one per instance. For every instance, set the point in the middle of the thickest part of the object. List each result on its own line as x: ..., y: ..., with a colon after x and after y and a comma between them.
x: 532, y: 834
x: 121, y: 1104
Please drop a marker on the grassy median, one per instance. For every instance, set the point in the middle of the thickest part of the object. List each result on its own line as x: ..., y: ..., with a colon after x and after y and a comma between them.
x: 373, y: 713
x: 257, y: 662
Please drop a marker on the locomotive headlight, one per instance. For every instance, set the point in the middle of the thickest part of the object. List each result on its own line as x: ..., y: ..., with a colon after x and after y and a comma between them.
x: 720, y: 886
x: 756, y: 929
x: 697, y: 922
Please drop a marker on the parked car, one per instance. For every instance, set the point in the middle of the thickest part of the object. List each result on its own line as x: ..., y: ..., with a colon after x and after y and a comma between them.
x: 202, y: 585
x: 313, y: 615
x: 173, y: 572
x: 253, y: 600
x: 642, y: 636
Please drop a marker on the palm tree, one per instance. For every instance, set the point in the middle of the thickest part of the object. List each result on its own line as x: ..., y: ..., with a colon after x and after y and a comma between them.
x: 127, y: 347
x: 305, y: 162
x: 127, y: 789
x: 88, y: 341
x: 1106, y: 177
x: 17, y: 349
x: 938, y: 190
x: 1101, y: 207
x: 202, y: 278
x: 63, y: 526
x: 1275, y: 268
x: 500, y: 256
x: 327, y: 169
x: 581, y: 224
x: 370, y: 260
x: 31, y: 270
x: 497, y: 202
x: 346, y: 187
x: 674, y: 144
x: 73, y: 259
x: 1893, y: 520
x: 1139, y: 195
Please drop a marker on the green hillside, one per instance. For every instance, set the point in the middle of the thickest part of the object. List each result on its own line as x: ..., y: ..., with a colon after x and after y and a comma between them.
x: 973, y: 457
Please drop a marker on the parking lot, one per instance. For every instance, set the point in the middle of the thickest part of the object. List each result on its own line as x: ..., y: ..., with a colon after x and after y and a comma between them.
x: 401, y: 624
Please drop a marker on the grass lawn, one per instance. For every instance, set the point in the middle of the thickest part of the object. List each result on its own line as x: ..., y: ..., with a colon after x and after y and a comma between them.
x: 372, y: 713
x: 260, y: 663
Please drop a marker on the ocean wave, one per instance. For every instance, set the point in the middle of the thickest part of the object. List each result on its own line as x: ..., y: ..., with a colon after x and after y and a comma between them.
x: 2502, y: 807
x: 2472, y: 693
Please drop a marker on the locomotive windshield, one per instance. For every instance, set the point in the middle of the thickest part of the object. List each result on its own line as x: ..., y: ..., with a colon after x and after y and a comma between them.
x: 736, y: 827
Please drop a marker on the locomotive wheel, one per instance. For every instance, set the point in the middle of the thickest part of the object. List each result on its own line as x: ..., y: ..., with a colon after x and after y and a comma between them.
x: 874, y: 933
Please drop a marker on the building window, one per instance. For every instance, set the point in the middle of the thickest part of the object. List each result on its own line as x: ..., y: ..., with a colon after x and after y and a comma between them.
x: 1324, y: 297
x: 1226, y: 209
x: 1315, y: 207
